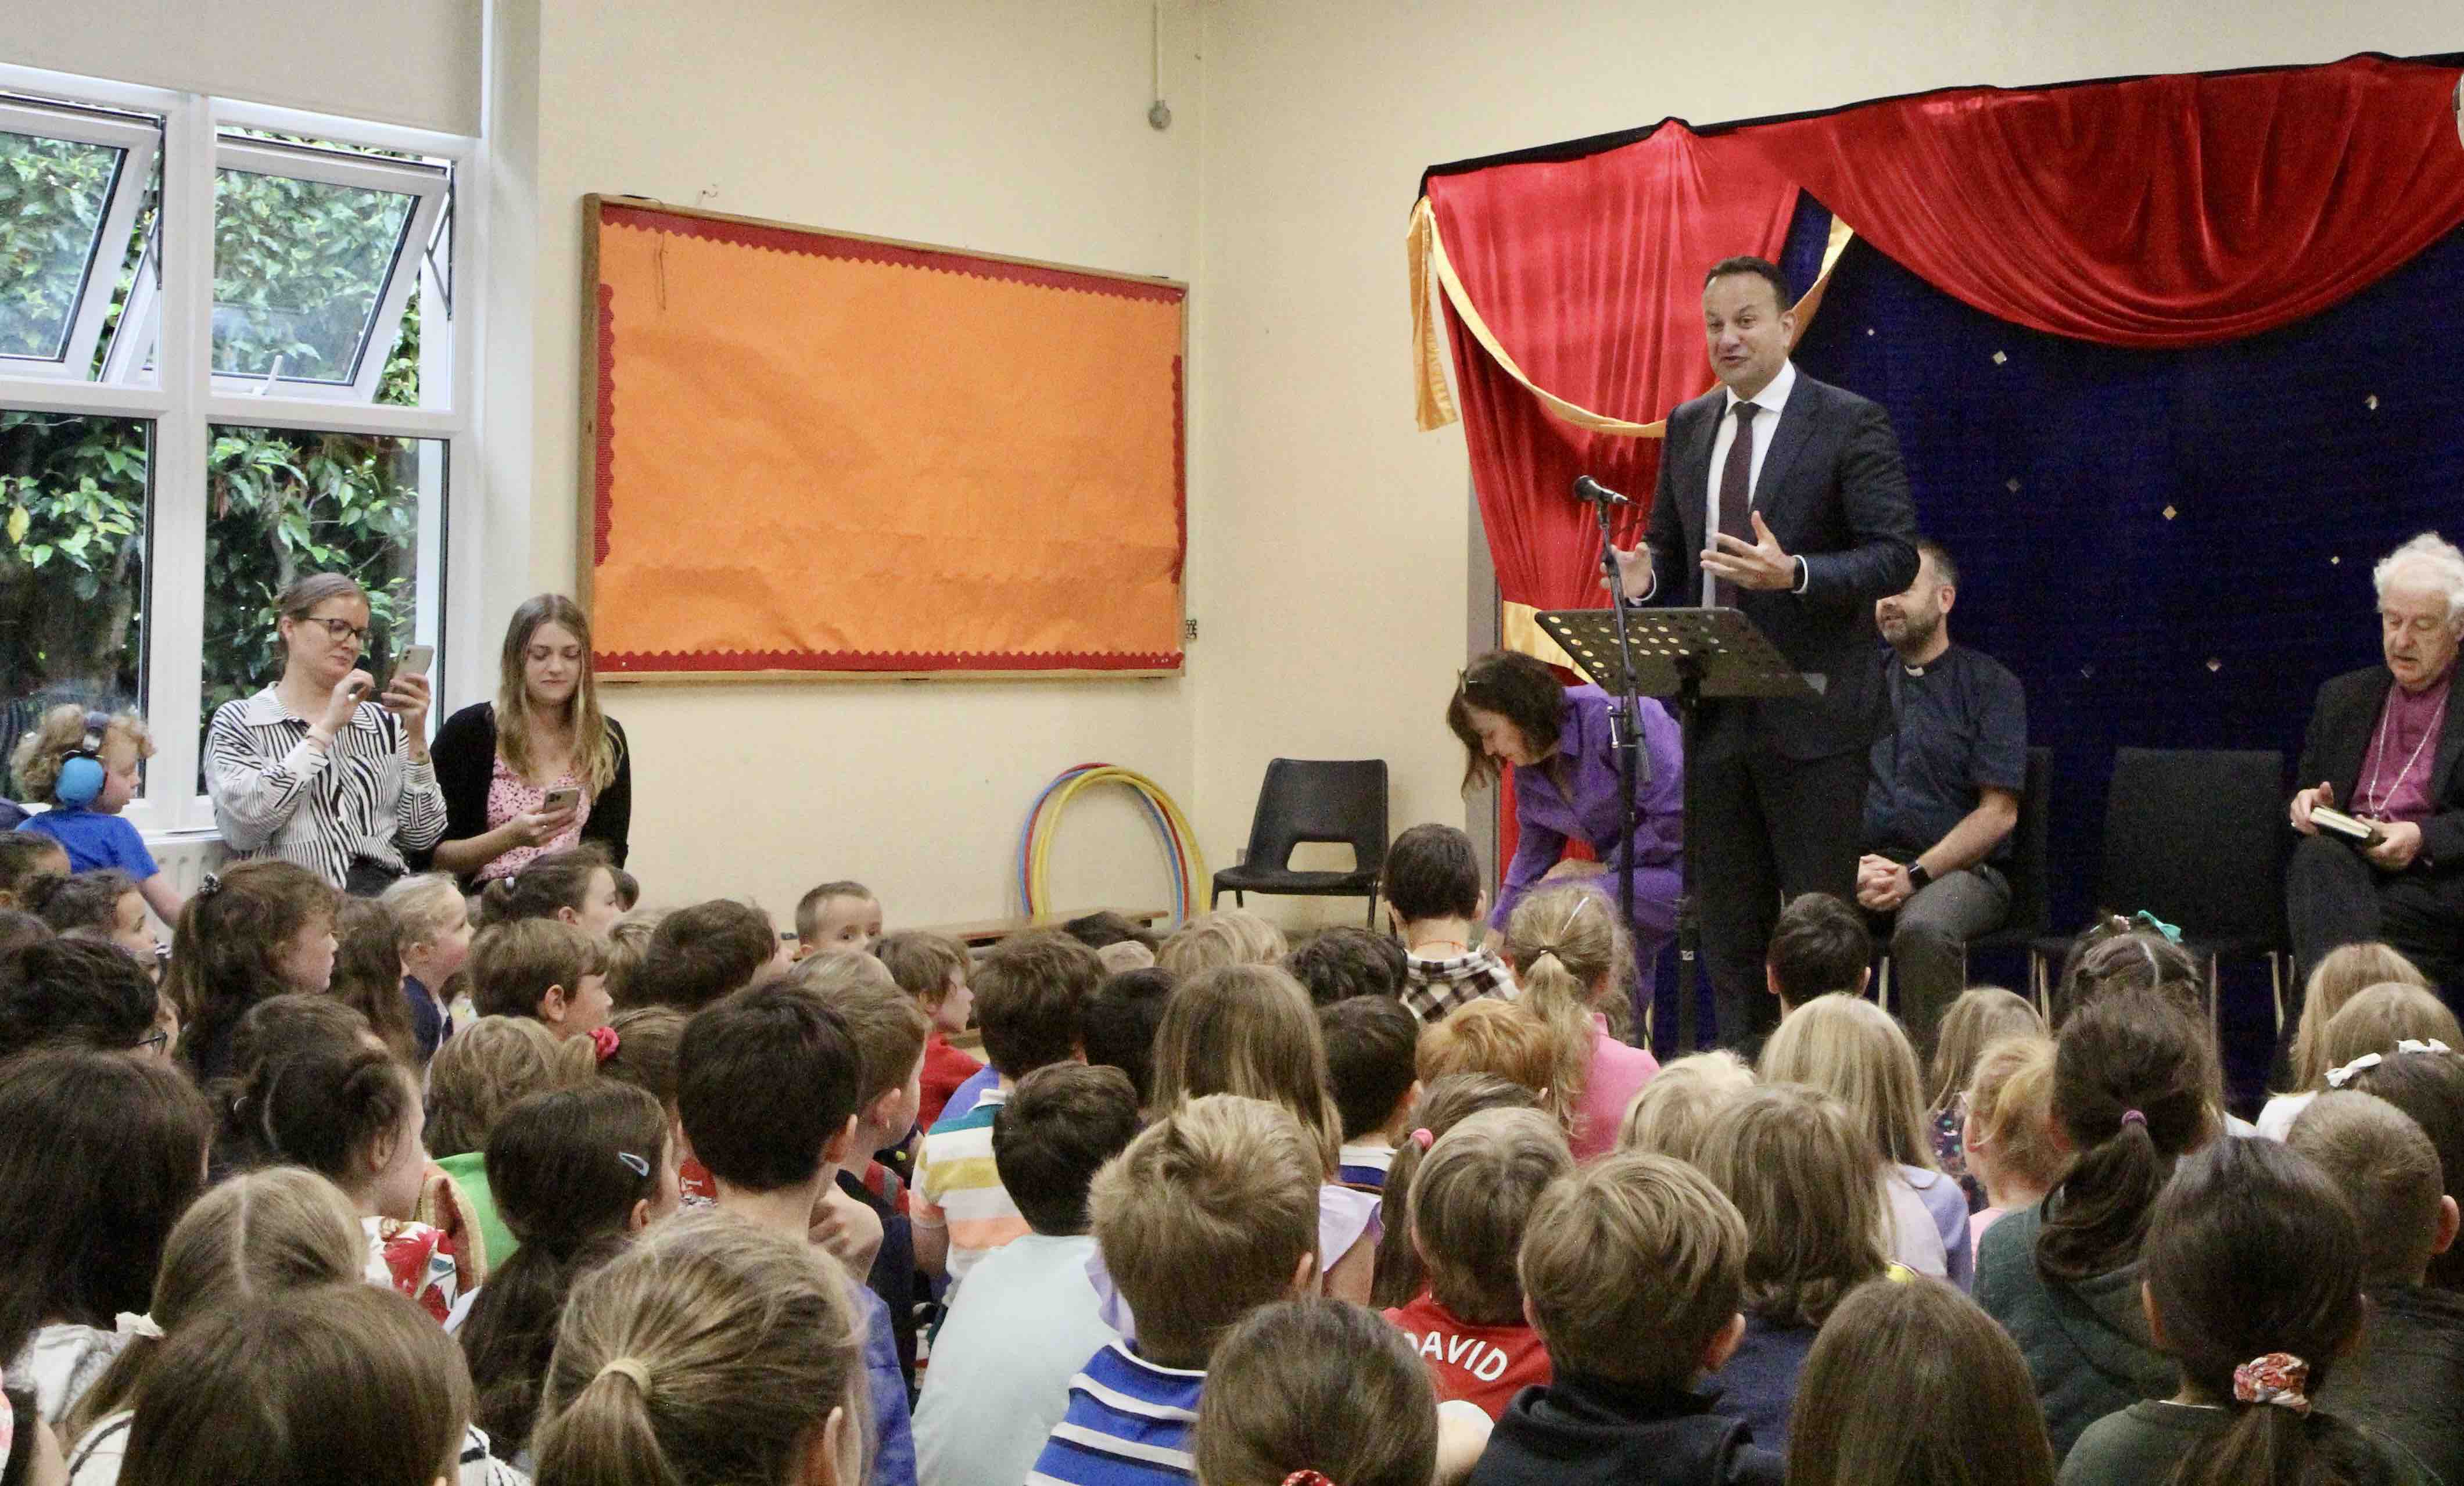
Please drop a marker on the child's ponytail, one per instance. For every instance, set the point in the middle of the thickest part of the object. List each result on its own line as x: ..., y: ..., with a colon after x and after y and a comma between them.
x: 1398, y: 1275
x: 2130, y: 1092
x: 1564, y: 944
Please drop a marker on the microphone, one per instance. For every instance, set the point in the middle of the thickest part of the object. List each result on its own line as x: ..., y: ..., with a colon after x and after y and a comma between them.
x: 1588, y: 489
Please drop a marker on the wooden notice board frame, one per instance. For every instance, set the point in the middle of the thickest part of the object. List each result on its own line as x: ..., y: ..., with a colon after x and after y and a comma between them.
x: 625, y: 607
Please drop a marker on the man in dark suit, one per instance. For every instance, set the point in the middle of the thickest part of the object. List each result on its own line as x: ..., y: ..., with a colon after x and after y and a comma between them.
x: 1782, y: 496
x: 2383, y: 744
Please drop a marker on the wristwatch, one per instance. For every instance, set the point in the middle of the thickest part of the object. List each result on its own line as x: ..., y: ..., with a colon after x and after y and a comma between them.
x: 1918, y: 876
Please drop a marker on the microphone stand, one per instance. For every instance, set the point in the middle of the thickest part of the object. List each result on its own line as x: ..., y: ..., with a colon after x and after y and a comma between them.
x: 1625, y: 722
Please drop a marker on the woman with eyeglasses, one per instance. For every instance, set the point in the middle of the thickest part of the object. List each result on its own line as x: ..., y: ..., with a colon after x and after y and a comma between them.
x: 312, y: 770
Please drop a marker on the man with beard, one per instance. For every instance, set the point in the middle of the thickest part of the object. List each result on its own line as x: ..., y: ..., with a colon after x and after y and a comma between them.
x: 1942, y: 796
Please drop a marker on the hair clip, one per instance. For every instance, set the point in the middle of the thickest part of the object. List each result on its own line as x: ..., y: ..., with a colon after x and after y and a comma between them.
x: 2277, y: 1378
x: 2338, y: 1078
x: 128, y: 1323
x: 634, y: 1164
x: 2422, y: 1045
x: 605, y: 1041
x: 1307, y: 1478
x: 209, y: 885
x: 2134, y: 1117
x: 2143, y: 919
x: 1422, y: 1138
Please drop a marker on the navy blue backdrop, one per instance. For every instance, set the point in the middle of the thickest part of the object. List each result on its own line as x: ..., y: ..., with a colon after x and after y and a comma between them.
x: 2171, y: 549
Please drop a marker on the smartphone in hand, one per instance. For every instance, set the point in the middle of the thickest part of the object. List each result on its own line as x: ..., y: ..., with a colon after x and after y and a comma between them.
x: 416, y: 660
x: 563, y: 797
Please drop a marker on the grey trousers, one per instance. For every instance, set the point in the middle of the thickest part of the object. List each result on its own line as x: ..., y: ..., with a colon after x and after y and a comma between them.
x: 1929, y: 938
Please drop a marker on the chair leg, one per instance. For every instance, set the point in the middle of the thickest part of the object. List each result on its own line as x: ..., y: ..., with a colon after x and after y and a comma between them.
x: 1212, y: 897
x: 1883, y: 983
x: 2276, y: 988
x: 1371, y: 921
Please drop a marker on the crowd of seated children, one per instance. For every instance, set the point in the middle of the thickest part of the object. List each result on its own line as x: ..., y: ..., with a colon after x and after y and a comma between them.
x: 2341, y: 975
x: 1677, y: 1108
x: 494, y: 1064
x: 1344, y: 963
x: 1439, y: 910
x: 1571, y: 958
x: 1472, y: 1196
x: 1975, y: 1019
x: 1372, y: 1048
x: 1853, y: 1050
x: 1026, y: 1320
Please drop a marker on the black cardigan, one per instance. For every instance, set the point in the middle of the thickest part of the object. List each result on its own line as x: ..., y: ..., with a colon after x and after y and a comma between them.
x: 465, y: 751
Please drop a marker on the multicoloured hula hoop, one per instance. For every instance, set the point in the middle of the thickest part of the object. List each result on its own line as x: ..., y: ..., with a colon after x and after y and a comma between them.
x: 1181, y: 842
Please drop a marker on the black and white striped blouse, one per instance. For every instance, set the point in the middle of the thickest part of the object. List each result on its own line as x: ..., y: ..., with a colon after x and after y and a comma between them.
x: 277, y: 794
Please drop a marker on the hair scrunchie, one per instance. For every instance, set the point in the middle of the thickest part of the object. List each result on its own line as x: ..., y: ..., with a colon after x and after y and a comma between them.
x: 1422, y: 1138
x: 2277, y: 1378
x: 1308, y: 1478
x: 632, y: 1367
x: 2134, y: 1117
x: 605, y: 1041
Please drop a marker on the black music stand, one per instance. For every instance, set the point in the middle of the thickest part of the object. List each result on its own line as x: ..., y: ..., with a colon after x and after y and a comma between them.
x: 1688, y: 654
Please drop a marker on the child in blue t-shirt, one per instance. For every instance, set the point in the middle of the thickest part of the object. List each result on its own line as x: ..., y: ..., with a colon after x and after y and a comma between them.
x: 84, y: 765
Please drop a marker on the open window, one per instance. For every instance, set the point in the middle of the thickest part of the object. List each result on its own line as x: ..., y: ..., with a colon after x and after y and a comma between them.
x: 318, y: 253
x: 72, y: 183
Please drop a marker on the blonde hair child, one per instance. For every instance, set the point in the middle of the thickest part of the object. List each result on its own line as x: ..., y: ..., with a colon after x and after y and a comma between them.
x: 1852, y: 1050
x: 88, y: 825
x: 432, y: 940
x: 1978, y: 1016
x: 1677, y: 1108
x: 2008, y: 1135
x: 1569, y: 953
x: 1491, y: 1037
x: 1221, y: 939
x: 1318, y: 1390
x: 2341, y: 975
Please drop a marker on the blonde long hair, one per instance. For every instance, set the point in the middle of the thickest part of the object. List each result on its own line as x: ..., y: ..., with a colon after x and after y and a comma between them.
x: 1249, y: 1030
x: 1851, y: 1049
x: 594, y: 746
x: 2341, y: 975
x: 1566, y: 950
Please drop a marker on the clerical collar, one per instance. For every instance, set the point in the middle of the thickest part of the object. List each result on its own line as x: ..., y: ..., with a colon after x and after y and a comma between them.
x: 1913, y: 671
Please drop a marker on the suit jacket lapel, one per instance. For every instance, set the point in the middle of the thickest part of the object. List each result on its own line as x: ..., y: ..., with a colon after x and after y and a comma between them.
x: 1695, y: 477
x: 1795, y: 426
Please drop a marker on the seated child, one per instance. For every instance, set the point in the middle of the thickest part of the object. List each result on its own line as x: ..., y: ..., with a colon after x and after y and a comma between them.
x: 24, y: 857
x: 2007, y: 1135
x: 1223, y: 937
x: 1852, y: 1049
x: 74, y: 990
x: 1435, y: 901
x: 2404, y: 1378
x: 103, y: 905
x: 1632, y: 1271
x: 1976, y: 1019
x: 1031, y: 995
x: 1221, y: 1186
x: 367, y: 974
x: 700, y: 954
x: 1677, y: 1108
x: 1312, y: 1391
x: 1371, y: 1044
x: 255, y: 929
x: 2254, y: 1289
x: 933, y: 968
x: 19, y: 929
x: 1103, y: 929
x: 1572, y: 958
x: 2428, y: 1085
x: 575, y: 1173
x: 1809, y: 1188
x: 2378, y: 1020
x: 1499, y: 1039
x: 645, y: 1052
x: 837, y: 916
x: 433, y: 939
x: 1401, y: 1276
x: 88, y: 790
x: 576, y: 886
x: 628, y: 945
x: 2341, y: 975
x: 544, y: 969
x: 1818, y: 945
x: 1911, y: 1383
x: 1344, y: 962
x: 1026, y: 1318
x: 1122, y: 1018
x: 767, y: 1084
x: 1471, y: 1198
x: 707, y: 1342
x: 629, y: 892
x: 495, y: 1063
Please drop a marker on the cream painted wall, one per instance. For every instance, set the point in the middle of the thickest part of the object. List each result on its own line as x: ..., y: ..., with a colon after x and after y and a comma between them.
x: 1013, y: 128
x: 1334, y: 550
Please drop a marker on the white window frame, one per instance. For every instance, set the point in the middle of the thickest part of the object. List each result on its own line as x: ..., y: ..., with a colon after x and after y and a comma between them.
x: 185, y: 402
x: 137, y: 139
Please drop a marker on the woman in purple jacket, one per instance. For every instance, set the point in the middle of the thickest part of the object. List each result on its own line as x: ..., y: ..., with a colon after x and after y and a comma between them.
x: 1510, y: 708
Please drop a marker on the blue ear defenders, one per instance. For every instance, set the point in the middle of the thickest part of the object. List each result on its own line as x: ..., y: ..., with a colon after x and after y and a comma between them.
x: 81, y: 771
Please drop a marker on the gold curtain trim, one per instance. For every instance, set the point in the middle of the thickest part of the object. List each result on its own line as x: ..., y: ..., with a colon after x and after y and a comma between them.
x: 1434, y: 408
x: 1519, y: 629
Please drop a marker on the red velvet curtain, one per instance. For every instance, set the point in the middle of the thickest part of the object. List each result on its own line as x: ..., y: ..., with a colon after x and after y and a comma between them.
x: 1586, y: 271
x: 2158, y: 212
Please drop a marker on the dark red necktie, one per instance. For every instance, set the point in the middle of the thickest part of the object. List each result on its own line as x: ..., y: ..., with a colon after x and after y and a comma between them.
x: 1737, y: 479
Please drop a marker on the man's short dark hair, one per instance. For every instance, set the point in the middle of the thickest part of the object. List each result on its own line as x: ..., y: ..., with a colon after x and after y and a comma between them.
x: 1945, y: 570
x: 1031, y: 994
x: 1345, y: 961
x: 1372, y: 1048
x: 1054, y: 1133
x: 79, y: 990
x: 1122, y: 1018
x: 1820, y: 945
x: 699, y: 954
x: 764, y: 1080
x: 1763, y: 268
x: 1433, y: 872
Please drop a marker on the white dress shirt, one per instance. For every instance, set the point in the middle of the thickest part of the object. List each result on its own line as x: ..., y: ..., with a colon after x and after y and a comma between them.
x: 1771, y: 402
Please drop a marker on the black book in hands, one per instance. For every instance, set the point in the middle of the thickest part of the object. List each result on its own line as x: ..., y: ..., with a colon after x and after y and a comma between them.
x: 2352, y: 828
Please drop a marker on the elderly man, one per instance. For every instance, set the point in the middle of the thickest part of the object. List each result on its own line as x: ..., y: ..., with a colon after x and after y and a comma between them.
x: 2383, y: 746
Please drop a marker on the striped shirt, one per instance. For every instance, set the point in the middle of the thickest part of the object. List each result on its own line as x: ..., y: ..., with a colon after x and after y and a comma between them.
x: 1128, y: 1424
x: 1364, y: 1165
x: 958, y: 1188
x: 276, y: 793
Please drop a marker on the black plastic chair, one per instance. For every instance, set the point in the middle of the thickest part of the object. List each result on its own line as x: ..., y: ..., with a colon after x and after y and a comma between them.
x: 2032, y: 909
x: 2196, y: 837
x: 1314, y: 800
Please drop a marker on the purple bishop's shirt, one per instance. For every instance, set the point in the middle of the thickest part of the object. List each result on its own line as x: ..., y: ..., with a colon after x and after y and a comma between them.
x: 1544, y: 815
x: 2387, y: 789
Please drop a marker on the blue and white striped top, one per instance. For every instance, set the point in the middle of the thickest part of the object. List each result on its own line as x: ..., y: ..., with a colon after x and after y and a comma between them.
x: 1128, y: 1424
x: 277, y: 794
